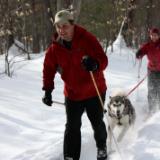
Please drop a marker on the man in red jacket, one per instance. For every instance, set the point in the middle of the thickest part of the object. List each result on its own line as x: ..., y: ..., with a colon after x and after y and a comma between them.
x: 73, y: 53
x: 152, y: 51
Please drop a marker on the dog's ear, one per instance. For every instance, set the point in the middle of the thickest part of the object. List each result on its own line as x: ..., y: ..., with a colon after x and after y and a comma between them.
x: 124, y: 98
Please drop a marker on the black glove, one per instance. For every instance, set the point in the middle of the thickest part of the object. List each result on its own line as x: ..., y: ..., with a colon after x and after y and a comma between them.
x: 89, y: 63
x: 138, y: 54
x: 47, y: 99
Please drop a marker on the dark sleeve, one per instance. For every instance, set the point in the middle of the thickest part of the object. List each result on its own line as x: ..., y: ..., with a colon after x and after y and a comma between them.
x: 49, y: 69
x: 139, y: 54
x: 142, y: 51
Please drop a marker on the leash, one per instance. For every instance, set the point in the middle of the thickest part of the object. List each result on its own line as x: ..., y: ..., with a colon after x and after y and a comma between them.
x: 102, y: 105
x: 137, y: 85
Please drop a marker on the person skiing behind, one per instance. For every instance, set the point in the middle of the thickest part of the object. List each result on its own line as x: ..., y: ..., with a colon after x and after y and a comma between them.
x: 152, y: 50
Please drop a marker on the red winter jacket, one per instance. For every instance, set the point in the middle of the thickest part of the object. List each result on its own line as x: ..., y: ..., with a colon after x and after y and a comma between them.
x: 78, y: 82
x: 152, y: 51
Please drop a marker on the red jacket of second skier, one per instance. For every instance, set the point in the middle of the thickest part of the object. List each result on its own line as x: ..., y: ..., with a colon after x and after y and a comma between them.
x: 152, y: 51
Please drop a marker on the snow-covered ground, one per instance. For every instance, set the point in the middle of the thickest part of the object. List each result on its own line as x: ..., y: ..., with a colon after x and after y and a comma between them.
x: 29, y: 130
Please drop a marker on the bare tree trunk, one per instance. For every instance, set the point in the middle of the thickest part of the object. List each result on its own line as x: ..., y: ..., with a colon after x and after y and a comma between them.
x: 128, y: 28
x: 36, y: 40
x: 67, y: 4
x: 9, y: 37
x: 64, y: 4
x: 73, y: 5
x: 50, y: 22
x: 77, y: 7
x: 49, y: 12
x: 59, y: 5
x: 7, y: 66
x: 149, y: 14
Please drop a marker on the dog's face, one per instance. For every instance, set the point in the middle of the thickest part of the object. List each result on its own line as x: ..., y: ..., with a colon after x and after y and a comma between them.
x: 117, y: 105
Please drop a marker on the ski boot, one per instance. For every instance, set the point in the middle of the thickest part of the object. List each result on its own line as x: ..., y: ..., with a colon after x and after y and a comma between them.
x: 102, y: 153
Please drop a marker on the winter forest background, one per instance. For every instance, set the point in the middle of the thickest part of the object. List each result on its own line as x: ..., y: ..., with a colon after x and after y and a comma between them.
x: 29, y: 21
x: 29, y: 130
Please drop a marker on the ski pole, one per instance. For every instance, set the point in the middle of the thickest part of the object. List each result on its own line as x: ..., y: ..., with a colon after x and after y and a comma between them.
x: 57, y: 102
x: 95, y: 85
x: 139, y: 67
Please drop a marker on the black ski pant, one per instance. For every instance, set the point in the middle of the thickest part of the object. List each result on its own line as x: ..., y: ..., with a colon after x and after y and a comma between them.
x: 153, y: 90
x: 72, y: 136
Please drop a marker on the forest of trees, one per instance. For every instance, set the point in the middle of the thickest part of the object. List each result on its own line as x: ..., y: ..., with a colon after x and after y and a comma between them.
x: 31, y: 21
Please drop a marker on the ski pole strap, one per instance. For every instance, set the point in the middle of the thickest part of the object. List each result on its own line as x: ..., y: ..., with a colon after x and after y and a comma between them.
x: 136, y: 85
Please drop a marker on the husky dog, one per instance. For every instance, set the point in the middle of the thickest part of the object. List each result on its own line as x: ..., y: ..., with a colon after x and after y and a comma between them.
x: 120, y: 113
